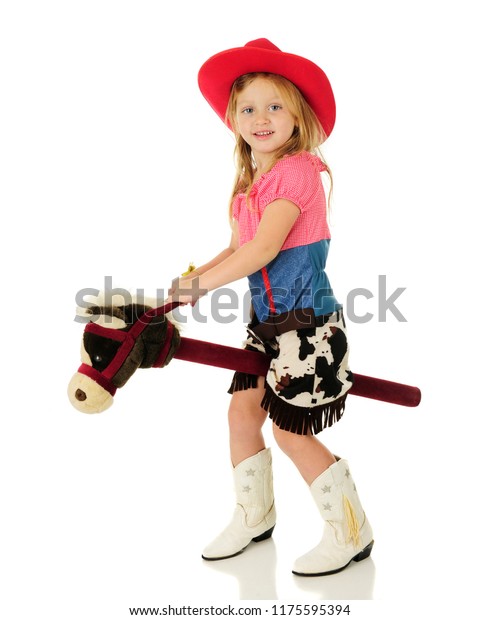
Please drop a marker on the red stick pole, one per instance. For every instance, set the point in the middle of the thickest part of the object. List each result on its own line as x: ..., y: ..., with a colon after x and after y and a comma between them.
x: 257, y: 363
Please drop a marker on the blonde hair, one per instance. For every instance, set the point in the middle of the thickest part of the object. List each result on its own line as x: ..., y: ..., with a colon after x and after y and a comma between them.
x: 307, y: 135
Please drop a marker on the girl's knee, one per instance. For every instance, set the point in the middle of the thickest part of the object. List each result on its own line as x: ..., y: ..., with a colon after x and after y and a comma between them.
x: 245, y: 415
x: 288, y: 442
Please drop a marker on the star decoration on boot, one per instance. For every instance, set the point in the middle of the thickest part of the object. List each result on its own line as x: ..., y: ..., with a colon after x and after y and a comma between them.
x: 347, y: 473
x: 250, y: 472
x: 246, y: 489
x: 327, y: 506
x: 326, y: 489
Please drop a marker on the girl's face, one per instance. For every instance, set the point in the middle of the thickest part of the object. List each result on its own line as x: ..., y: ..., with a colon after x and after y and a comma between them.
x: 263, y: 119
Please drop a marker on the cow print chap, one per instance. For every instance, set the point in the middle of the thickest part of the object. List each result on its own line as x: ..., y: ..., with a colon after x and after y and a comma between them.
x: 308, y: 380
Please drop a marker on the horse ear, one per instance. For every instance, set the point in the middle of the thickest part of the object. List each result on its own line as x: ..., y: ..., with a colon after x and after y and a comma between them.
x: 132, y: 312
x: 111, y: 322
x: 106, y: 316
x: 83, y: 314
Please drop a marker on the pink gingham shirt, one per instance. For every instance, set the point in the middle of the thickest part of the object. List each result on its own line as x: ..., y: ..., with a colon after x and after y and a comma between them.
x: 295, y: 178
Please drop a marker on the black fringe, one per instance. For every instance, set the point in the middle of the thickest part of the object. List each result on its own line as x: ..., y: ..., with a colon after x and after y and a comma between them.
x: 242, y: 381
x: 300, y: 420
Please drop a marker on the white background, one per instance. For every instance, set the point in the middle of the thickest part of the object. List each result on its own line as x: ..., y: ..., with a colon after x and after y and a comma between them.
x: 112, y: 164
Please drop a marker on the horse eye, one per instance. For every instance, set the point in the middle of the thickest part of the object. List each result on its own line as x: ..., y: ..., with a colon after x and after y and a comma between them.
x: 97, y: 358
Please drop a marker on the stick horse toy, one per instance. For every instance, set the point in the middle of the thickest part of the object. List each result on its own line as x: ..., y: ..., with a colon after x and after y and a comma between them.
x: 119, y: 339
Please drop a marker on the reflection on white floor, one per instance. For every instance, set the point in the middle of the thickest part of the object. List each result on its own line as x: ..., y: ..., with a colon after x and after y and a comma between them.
x: 255, y: 571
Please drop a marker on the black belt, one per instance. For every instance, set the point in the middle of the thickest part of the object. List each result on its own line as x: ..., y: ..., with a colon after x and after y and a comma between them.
x: 299, y: 318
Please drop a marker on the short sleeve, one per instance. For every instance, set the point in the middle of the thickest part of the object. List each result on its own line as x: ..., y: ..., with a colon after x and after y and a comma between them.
x: 296, y: 178
x: 236, y: 207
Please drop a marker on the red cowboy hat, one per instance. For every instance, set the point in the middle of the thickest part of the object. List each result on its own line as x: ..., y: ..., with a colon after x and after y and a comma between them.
x: 218, y: 73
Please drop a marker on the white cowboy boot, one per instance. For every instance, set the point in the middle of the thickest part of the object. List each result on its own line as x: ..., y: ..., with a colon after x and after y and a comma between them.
x: 254, y: 515
x: 347, y: 534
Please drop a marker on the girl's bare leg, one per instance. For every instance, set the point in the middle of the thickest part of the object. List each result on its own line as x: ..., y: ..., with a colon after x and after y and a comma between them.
x: 246, y: 418
x: 309, y: 455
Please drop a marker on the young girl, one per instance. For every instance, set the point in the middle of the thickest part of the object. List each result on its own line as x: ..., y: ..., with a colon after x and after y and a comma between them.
x: 281, y: 108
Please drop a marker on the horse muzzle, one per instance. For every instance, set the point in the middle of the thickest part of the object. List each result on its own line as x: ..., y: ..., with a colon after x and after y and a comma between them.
x: 88, y: 396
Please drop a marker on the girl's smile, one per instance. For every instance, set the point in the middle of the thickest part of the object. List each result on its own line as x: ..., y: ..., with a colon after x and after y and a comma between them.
x: 263, y: 134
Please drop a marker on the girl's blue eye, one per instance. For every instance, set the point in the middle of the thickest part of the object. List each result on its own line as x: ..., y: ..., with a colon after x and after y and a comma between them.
x: 275, y: 107
x: 247, y: 110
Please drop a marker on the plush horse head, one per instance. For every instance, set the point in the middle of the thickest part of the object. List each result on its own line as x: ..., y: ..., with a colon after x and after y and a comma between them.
x: 117, y: 340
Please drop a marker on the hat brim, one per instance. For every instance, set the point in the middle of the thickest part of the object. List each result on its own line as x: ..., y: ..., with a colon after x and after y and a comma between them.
x: 218, y: 73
